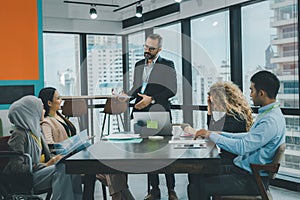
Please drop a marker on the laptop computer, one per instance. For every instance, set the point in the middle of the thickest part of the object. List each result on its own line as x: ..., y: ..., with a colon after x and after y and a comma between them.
x: 152, y: 123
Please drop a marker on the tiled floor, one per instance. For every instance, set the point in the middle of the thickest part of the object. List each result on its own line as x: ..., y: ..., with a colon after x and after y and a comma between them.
x: 138, y: 187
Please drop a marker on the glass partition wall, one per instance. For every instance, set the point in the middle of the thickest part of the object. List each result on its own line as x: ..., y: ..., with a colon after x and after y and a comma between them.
x: 269, y: 41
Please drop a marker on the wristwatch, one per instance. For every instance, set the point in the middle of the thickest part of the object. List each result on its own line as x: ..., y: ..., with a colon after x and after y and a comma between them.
x: 153, y: 100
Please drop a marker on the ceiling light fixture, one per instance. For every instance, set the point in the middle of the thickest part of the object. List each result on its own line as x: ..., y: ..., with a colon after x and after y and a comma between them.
x: 139, y: 10
x: 178, y: 1
x: 93, y: 12
x: 90, y: 3
x: 131, y: 4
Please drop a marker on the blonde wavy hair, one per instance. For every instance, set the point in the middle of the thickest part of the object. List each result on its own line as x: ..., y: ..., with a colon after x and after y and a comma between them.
x: 227, y: 97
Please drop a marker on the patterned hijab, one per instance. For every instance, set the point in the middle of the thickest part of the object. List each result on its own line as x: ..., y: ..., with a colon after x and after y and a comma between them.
x: 26, y: 113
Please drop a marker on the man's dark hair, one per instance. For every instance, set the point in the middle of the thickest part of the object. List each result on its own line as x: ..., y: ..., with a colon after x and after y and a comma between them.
x: 156, y: 37
x: 266, y: 81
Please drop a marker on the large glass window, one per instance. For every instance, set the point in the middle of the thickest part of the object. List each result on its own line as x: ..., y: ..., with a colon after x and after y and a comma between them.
x: 104, y: 64
x: 105, y: 74
x: 61, y: 62
x: 171, y: 50
x: 136, y: 52
x: 269, y: 31
x: 210, y: 57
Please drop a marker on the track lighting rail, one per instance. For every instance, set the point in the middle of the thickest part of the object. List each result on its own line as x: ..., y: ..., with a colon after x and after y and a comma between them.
x: 92, y: 3
x: 131, y: 4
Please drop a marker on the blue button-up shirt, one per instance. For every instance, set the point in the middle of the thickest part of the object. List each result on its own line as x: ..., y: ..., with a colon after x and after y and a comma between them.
x: 259, y: 145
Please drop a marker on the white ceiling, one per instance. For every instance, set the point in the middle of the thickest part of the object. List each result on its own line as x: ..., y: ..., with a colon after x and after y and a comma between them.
x: 59, y: 9
x: 67, y: 17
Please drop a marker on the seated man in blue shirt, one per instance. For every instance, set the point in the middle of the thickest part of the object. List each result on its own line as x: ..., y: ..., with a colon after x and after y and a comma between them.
x: 258, y: 146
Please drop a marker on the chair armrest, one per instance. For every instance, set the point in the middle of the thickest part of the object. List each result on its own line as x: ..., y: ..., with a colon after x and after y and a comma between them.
x: 256, y: 168
x: 12, y: 154
x: 265, y: 167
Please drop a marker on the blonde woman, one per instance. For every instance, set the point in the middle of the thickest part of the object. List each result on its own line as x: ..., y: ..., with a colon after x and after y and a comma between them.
x: 228, y: 110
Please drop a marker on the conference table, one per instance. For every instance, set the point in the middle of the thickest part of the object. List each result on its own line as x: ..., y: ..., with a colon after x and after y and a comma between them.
x: 146, y: 156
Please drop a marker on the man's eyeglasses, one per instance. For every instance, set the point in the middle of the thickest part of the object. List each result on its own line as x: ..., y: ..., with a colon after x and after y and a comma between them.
x: 149, y: 47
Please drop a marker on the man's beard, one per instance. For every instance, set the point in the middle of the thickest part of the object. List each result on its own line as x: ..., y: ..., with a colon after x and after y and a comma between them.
x: 149, y: 56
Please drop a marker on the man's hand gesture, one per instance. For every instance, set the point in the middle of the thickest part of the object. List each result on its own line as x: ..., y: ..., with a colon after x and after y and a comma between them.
x: 144, y: 102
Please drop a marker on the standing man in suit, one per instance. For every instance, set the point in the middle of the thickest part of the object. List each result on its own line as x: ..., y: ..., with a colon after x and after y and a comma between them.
x: 154, y: 83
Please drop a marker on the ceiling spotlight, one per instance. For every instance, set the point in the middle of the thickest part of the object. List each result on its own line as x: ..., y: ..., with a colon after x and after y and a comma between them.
x: 178, y: 1
x: 139, y: 10
x: 93, y: 12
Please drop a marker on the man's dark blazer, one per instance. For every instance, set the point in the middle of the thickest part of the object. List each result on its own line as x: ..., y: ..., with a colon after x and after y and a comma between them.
x: 162, y: 84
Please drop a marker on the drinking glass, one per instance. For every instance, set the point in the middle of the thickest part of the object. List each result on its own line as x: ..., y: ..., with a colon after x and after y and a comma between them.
x: 176, y: 131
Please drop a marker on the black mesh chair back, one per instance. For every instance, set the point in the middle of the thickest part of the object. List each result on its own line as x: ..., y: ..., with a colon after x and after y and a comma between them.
x: 12, y: 185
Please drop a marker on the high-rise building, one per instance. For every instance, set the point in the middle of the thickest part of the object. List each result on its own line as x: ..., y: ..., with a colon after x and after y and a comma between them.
x: 67, y: 82
x: 105, y: 67
x: 285, y: 43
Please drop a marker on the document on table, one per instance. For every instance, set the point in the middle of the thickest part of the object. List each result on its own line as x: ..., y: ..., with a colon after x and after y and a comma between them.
x: 124, y: 137
x: 187, y: 142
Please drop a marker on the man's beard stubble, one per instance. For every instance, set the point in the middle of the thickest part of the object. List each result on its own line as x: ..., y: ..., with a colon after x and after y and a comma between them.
x: 149, y: 56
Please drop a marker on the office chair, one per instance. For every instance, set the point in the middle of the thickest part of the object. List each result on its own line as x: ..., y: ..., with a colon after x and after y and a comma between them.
x: 101, y: 178
x: 76, y: 108
x: 113, y: 107
x: 12, y: 184
x: 272, y: 168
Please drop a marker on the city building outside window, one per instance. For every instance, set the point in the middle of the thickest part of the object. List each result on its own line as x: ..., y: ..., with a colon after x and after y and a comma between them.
x: 269, y: 33
x: 171, y: 50
x: 61, y: 63
x: 104, y: 56
x: 210, y: 58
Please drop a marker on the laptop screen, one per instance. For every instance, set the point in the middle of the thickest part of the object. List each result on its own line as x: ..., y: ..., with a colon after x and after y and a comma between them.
x: 152, y: 123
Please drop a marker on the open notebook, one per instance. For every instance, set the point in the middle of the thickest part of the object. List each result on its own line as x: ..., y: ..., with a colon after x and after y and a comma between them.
x: 73, y: 144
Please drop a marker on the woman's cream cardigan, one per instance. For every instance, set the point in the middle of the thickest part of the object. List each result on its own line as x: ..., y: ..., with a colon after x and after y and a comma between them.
x: 53, y: 130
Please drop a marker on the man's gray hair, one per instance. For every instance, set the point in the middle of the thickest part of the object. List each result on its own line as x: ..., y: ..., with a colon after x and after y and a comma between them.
x: 156, y: 37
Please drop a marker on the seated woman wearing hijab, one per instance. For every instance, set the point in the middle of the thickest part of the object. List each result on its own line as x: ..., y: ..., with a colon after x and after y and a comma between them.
x: 26, y: 114
x: 57, y: 128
